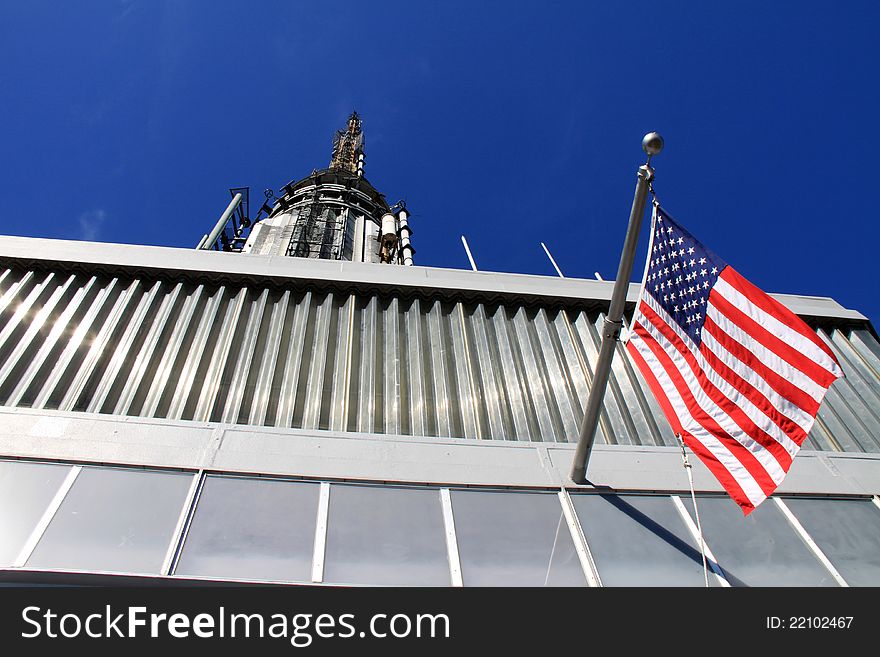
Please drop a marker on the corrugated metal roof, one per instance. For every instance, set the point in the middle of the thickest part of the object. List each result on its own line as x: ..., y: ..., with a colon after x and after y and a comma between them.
x: 288, y: 356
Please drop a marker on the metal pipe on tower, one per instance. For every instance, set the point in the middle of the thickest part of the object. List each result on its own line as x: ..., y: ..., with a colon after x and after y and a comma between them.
x: 388, y: 237
x: 221, y: 223
x: 406, y: 248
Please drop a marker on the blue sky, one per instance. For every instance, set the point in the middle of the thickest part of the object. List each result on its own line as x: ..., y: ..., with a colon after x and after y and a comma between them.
x: 512, y: 123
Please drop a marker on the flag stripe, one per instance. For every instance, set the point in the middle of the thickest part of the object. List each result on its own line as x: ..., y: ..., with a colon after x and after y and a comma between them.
x: 747, y: 391
x: 789, y: 336
x: 720, y: 462
x: 733, y: 473
x: 715, y: 412
x: 742, y: 375
x: 747, y: 416
x: 775, y: 309
x: 722, y: 465
x: 734, y: 340
x: 746, y: 379
x: 721, y: 367
x: 765, y: 472
x: 720, y: 468
x: 772, y: 343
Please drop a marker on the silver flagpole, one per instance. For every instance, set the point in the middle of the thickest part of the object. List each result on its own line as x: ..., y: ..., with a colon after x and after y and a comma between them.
x: 651, y: 144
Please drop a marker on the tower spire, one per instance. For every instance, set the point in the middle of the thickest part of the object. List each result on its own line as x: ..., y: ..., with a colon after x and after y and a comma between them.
x: 348, y: 147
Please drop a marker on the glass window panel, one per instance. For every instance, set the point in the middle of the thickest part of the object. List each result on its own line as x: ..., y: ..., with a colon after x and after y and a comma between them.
x: 514, y: 539
x: 385, y: 535
x: 639, y: 540
x: 25, y: 491
x: 847, y: 531
x: 252, y: 529
x: 114, y: 520
x: 760, y: 549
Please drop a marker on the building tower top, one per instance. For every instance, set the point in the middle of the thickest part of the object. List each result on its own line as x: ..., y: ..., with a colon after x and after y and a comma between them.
x: 331, y: 214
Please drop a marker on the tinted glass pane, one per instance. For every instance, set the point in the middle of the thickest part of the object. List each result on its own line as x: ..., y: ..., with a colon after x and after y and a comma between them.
x: 114, y: 520
x: 760, y: 549
x: 252, y: 529
x: 514, y: 539
x: 848, y: 532
x: 385, y: 535
x: 25, y: 491
x: 638, y: 540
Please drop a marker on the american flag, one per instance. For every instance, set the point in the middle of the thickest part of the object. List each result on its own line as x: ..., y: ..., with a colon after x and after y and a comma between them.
x: 738, y: 375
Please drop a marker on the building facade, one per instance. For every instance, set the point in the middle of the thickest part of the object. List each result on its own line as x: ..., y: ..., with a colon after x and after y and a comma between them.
x: 311, y: 408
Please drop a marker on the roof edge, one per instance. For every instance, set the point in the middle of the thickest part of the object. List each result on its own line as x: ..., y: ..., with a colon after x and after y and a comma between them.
x: 278, y: 269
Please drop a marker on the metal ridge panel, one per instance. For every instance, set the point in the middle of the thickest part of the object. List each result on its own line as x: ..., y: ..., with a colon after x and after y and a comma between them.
x: 301, y: 357
x: 211, y: 265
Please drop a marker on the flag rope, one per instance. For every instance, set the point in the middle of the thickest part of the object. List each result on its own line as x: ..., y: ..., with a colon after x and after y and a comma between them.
x: 553, y: 549
x: 688, y: 468
x: 627, y: 330
x: 654, y: 200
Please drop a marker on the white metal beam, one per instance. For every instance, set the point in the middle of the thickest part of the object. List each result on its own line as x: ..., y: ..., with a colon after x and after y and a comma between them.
x: 38, y: 531
x: 588, y: 565
x: 716, y: 569
x: 321, y: 532
x: 805, y: 536
x: 184, y: 520
x: 451, y: 538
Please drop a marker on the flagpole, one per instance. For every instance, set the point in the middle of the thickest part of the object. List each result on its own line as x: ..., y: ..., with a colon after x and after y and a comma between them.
x: 651, y: 144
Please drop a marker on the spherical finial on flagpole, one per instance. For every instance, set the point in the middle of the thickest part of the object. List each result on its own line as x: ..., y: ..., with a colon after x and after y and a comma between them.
x: 652, y: 143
